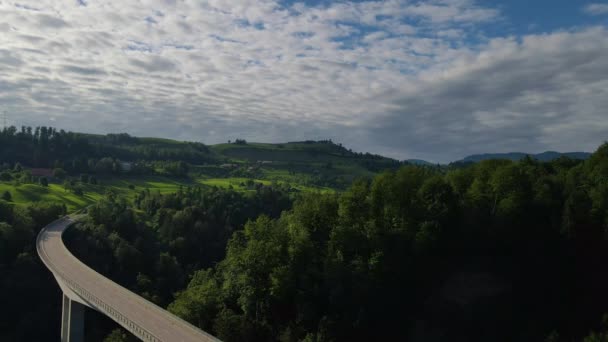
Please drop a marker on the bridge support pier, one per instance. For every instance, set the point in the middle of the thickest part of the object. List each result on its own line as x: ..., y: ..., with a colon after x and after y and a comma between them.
x: 72, y: 321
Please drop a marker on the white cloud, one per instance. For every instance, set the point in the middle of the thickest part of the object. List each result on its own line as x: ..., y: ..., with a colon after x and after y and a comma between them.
x: 543, y: 92
x: 451, y: 11
x: 596, y: 9
x: 385, y: 76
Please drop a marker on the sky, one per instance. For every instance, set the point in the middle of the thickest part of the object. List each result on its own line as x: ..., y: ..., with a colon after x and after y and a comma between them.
x: 430, y: 79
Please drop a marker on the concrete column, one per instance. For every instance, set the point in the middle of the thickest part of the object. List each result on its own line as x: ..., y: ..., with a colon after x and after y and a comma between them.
x: 72, y: 321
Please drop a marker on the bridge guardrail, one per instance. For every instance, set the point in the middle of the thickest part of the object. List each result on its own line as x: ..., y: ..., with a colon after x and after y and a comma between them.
x: 124, y: 321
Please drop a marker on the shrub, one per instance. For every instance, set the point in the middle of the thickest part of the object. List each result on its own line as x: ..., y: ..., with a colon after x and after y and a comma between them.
x: 7, y: 196
x: 5, y: 176
x: 59, y: 173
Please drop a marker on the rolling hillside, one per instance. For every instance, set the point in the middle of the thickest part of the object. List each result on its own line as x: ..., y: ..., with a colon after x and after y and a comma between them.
x: 320, y: 163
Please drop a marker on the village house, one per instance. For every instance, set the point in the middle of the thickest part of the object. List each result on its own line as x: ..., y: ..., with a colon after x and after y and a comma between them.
x: 41, y: 172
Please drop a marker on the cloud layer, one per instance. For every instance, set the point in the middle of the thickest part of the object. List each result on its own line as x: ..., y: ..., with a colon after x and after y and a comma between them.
x: 596, y: 9
x: 408, y: 79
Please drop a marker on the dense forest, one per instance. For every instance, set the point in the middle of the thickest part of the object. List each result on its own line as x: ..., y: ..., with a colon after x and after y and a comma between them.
x: 29, y: 295
x: 499, y: 250
x: 188, y: 232
x: 154, y: 242
x: 47, y: 147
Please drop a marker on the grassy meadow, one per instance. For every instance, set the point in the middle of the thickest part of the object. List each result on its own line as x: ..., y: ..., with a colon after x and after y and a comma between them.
x: 129, y: 187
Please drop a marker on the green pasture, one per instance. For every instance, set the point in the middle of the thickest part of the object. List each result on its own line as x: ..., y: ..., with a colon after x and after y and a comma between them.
x: 128, y: 186
x: 28, y: 193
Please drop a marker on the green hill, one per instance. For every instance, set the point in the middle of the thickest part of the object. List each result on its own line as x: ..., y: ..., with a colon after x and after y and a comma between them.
x: 305, y: 151
x: 126, y: 164
x: 319, y: 163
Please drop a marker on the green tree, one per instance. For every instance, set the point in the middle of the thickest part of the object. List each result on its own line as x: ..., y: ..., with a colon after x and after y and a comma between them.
x: 6, y: 195
x: 199, y: 303
x: 119, y: 335
x: 5, y: 176
x: 59, y: 173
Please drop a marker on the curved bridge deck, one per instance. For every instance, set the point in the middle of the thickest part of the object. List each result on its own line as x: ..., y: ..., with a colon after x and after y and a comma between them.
x: 82, y: 284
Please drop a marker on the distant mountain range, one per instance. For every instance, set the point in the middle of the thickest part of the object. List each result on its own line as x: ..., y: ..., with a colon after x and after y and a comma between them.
x: 544, y: 156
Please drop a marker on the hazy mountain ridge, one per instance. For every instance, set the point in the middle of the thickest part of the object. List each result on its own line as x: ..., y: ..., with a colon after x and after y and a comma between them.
x: 544, y: 156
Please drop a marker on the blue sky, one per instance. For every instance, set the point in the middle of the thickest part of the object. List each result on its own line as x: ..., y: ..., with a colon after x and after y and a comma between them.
x: 521, y: 16
x: 540, y: 16
x: 550, y: 14
x: 430, y: 79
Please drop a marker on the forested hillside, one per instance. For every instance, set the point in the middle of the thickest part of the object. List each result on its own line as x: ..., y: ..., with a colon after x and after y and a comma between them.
x: 76, y: 152
x: 318, y: 164
x: 498, y: 251
x: 30, y: 297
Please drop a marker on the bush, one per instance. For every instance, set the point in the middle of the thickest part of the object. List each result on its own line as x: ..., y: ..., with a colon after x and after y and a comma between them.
x: 119, y: 335
x: 5, y: 176
x: 44, y: 181
x: 59, y: 173
x: 7, y: 196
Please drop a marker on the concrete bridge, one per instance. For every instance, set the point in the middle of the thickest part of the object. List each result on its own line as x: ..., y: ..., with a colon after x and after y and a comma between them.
x: 83, y: 287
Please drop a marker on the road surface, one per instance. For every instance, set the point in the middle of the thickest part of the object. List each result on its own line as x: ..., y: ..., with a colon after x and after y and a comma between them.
x: 146, y: 320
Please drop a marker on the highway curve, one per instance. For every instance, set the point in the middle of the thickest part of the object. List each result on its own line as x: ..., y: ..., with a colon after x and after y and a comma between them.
x: 144, y: 319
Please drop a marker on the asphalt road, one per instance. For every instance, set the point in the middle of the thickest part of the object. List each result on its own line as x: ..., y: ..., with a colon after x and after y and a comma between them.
x: 156, y: 321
